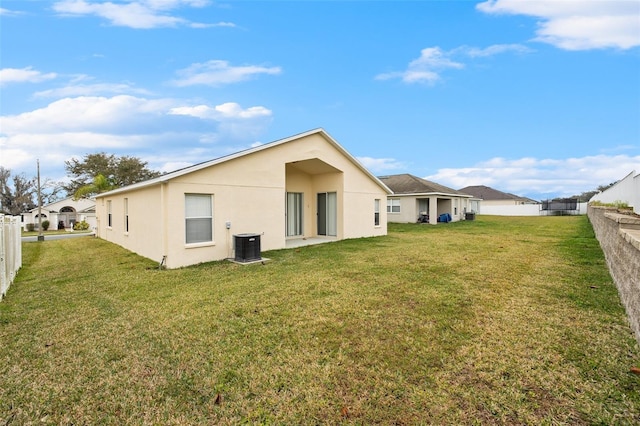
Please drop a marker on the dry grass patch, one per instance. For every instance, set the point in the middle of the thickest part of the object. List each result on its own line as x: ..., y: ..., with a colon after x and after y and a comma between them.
x: 493, y: 321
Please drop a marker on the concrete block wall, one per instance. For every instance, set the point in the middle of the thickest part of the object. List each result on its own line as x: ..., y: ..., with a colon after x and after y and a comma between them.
x: 619, y: 237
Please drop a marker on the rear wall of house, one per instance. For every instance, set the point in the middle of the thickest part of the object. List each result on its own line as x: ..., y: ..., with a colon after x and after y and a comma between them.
x: 360, y: 194
x: 143, y: 211
x: 248, y: 194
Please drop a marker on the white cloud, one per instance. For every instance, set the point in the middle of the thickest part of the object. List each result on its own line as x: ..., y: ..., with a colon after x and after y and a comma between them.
x: 229, y: 110
x: 381, y: 165
x: 7, y: 12
x: 78, y: 85
x: 534, y: 177
x: 133, y: 14
x: 496, y: 49
x: 139, y: 14
x: 216, y: 25
x: 81, y: 89
x: 234, y: 122
x: 218, y: 72
x: 83, y: 113
x: 74, y: 140
x: 23, y: 75
x: 171, y: 166
x: 433, y: 61
x: 425, y: 69
x: 164, y: 130
x: 433, y: 58
x: 620, y: 148
x: 578, y: 24
x: 12, y: 157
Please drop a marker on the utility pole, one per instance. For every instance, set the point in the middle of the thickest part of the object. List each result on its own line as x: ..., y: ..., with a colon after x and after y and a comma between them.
x: 40, y: 235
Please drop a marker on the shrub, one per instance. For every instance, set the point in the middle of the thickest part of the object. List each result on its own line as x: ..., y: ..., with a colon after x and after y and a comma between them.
x: 31, y: 227
x: 45, y: 225
x: 81, y: 226
x: 617, y: 204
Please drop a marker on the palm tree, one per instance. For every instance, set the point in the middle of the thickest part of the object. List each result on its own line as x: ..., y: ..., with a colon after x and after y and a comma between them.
x: 100, y: 184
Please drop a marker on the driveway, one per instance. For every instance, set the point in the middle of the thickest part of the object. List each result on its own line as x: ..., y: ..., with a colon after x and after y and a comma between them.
x: 34, y: 238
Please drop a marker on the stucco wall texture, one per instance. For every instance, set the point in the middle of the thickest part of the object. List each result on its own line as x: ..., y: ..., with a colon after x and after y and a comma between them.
x: 619, y: 237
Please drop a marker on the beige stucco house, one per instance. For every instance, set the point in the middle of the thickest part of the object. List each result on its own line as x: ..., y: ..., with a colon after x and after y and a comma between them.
x: 419, y: 200
x: 303, y: 187
x: 63, y: 213
x: 492, y: 197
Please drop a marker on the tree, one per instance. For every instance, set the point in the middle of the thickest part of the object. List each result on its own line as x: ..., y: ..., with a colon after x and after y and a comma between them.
x: 18, y: 197
x: 50, y: 191
x: 118, y: 171
x: 586, y: 196
x: 100, y: 184
x: 130, y: 170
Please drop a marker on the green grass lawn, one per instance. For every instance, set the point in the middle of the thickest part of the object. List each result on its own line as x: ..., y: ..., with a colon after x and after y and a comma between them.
x: 494, y: 321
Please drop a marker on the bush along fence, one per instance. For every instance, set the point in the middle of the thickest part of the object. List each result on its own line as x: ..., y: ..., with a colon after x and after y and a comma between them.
x: 10, y: 251
x: 619, y: 237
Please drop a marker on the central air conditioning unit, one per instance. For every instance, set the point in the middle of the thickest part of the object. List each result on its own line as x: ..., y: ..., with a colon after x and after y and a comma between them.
x: 247, y: 247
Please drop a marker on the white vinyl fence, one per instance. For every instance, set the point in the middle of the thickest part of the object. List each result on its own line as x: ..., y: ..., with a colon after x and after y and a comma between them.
x: 626, y: 190
x: 526, y: 210
x: 10, y: 251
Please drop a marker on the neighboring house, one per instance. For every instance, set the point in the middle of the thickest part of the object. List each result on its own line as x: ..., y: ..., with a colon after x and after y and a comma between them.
x: 63, y: 214
x: 302, y: 187
x: 415, y: 199
x: 492, y: 197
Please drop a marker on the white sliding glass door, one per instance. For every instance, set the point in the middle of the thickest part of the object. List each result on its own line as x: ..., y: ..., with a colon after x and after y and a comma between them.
x: 294, y: 214
x: 328, y: 213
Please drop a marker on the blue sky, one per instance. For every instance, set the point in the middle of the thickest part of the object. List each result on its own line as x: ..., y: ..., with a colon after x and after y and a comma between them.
x: 537, y: 98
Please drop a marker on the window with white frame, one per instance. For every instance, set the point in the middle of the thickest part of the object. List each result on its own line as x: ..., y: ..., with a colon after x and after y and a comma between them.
x: 198, y: 218
x: 109, y: 215
x: 393, y: 205
x: 376, y: 212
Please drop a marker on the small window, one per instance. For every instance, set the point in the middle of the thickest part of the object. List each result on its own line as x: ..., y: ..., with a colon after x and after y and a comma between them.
x: 126, y: 215
x: 198, y: 218
x: 109, y: 215
x: 376, y: 213
x: 393, y: 205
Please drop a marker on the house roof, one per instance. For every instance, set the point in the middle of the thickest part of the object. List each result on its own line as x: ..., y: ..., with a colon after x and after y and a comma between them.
x: 406, y: 184
x: 54, y: 207
x: 489, y: 194
x: 168, y: 176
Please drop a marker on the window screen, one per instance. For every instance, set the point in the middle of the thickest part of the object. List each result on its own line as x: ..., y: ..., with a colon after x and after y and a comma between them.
x: 198, y: 218
x: 393, y: 205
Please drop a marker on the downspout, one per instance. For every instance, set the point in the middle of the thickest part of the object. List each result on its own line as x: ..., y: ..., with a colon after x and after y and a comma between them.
x: 163, y: 224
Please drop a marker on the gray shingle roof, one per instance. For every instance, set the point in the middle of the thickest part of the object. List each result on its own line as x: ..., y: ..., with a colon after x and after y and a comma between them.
x: 488, y: 193
x: 168, y: 176
x: 409, y: 184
